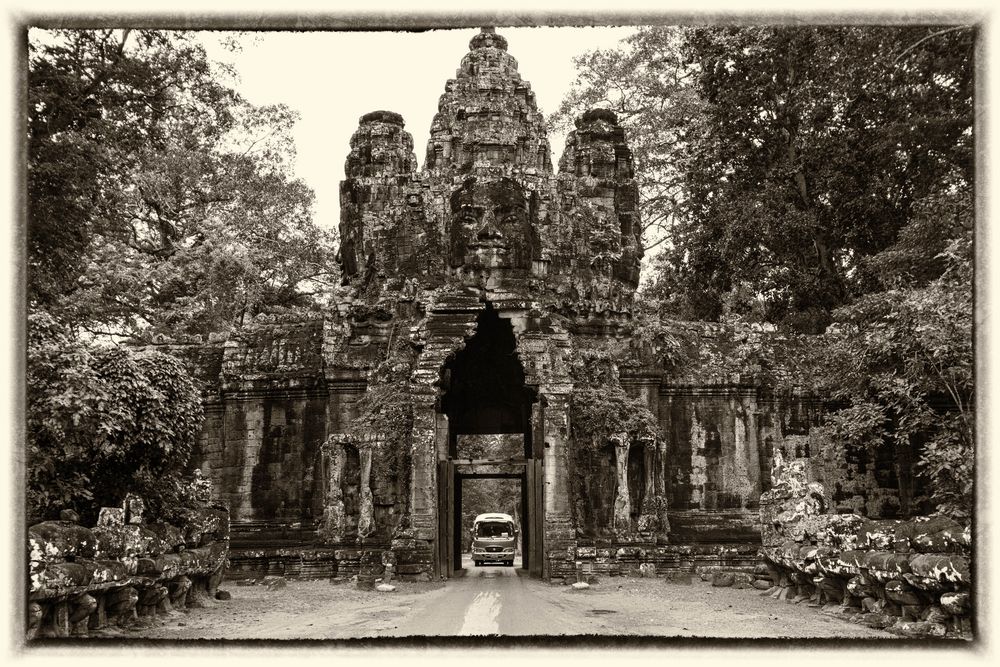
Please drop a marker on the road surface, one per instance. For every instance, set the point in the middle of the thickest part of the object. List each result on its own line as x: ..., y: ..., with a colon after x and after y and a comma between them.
x: 487, y: 600
x: 492, y: 600
x: 496, y: 600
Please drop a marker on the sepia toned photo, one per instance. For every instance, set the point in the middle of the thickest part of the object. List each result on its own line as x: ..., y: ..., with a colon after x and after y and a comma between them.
x: 493, y: 330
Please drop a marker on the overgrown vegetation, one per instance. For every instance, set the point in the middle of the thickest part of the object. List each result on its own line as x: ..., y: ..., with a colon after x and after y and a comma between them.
x: 158, y: 199
x: 386, y: 408
x: 104, y: 421
x: 809, y: 176
x: 599, y: 406
x: 385, y: 417
x: 904, y: 360
x: 774, y: 160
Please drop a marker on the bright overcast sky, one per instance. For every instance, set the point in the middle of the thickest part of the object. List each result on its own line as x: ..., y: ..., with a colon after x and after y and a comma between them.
x: 333, y: 78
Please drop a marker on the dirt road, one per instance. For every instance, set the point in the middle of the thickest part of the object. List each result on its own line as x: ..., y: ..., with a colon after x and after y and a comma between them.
x: 494, y: 600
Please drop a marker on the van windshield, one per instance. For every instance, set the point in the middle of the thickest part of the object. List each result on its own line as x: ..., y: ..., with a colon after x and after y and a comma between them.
x: 494, y: 529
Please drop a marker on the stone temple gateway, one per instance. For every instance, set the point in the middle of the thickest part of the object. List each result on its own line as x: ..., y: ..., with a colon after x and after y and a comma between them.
x: 484, y: 292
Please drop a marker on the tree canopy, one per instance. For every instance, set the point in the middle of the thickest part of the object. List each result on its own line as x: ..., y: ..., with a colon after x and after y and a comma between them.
x: 773, y: 160
x: 809, y: 176
x: 103, y: 421
x: 902, y: 362
x: 159, y: 201
x: 158, y: 198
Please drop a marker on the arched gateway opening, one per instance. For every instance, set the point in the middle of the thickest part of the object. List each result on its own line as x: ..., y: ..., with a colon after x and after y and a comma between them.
x: 489, y: 410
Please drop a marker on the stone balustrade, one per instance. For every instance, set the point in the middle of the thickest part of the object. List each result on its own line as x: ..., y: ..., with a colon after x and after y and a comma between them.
x: 123, y: 571
x: 909, y: 576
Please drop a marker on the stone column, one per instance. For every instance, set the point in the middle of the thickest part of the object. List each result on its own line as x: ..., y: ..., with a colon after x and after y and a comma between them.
x: 623, y: 505
x: 366, y: 512
x: 661, y: 487
x: 652, y: 519
x: 558, y: 522
x: 424, y: 482
x: 334, y: 522
x: 649, y: 468
x: 439, y: 342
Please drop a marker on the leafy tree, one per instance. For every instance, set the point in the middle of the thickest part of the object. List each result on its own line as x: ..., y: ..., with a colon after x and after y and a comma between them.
x: 903, y: 362
x: 103, y: 421
x: 790, y: 154
x: 158, y: 198
x: 819, y: 174
x: 599, y: 407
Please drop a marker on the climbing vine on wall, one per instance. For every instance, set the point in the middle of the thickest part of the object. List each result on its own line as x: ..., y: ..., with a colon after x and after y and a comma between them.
x: 385, y: 418
x: 600, y: 408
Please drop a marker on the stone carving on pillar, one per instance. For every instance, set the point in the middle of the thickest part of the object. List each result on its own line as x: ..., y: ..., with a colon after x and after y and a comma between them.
x: 333, y: 525
x: 366, y: 513
x: 661, y: 487
x: 623, y: 505
x: 653, y: 522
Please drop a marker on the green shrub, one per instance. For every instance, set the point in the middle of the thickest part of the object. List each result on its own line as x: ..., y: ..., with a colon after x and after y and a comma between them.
x: 102, y: 422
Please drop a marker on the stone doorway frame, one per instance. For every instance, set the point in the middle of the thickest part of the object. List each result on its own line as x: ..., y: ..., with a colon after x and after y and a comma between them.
x: 451, y: 474
x: 447, y: 326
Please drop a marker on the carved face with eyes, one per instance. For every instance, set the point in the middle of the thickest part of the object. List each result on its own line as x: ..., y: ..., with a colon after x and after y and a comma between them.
x: 490, y: 225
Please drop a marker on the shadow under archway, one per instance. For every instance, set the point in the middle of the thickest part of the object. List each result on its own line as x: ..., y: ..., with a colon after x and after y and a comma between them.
x: 485, y: 394
x: 484, y: 385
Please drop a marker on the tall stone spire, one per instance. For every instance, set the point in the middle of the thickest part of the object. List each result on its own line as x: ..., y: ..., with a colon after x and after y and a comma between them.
x: 486, y: 210
x: 488, y: 122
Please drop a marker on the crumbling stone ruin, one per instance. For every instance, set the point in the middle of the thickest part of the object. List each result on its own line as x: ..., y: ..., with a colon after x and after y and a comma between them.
x: 488, y: 293
x: 123, y: 571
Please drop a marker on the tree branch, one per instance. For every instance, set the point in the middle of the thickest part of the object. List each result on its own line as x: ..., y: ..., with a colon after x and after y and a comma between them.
x: 930, y: 36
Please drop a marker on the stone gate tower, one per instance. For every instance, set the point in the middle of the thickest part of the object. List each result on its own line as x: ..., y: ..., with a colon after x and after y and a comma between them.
x: 487, y: 293
x: 487, y: 239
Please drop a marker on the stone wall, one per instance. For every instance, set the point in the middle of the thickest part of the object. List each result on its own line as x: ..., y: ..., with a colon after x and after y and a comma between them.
x: 279, y: 400
x: 580, y: 562
x: 123, y: 571
x: 486, y: 224
x: 262, y: 443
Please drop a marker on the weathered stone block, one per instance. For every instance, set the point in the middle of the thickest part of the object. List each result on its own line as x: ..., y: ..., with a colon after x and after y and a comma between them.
x: 956, y: 604
x: 58, y: 540
x: 60, y: 576
x: 902, y: 593
x: 951, y: 568
x: 723, y: 579
x: 886, y: 566
x: 110, y: 517
x: 920, y: 629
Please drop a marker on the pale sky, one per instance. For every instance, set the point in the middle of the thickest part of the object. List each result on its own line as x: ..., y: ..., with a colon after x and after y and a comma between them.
x: 333, y: 78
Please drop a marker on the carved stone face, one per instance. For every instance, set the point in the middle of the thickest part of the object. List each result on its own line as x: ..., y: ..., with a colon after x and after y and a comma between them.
x: 490, y: 225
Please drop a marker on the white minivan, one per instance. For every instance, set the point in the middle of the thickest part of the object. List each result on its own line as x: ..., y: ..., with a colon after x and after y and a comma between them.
x: 494, y: 539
